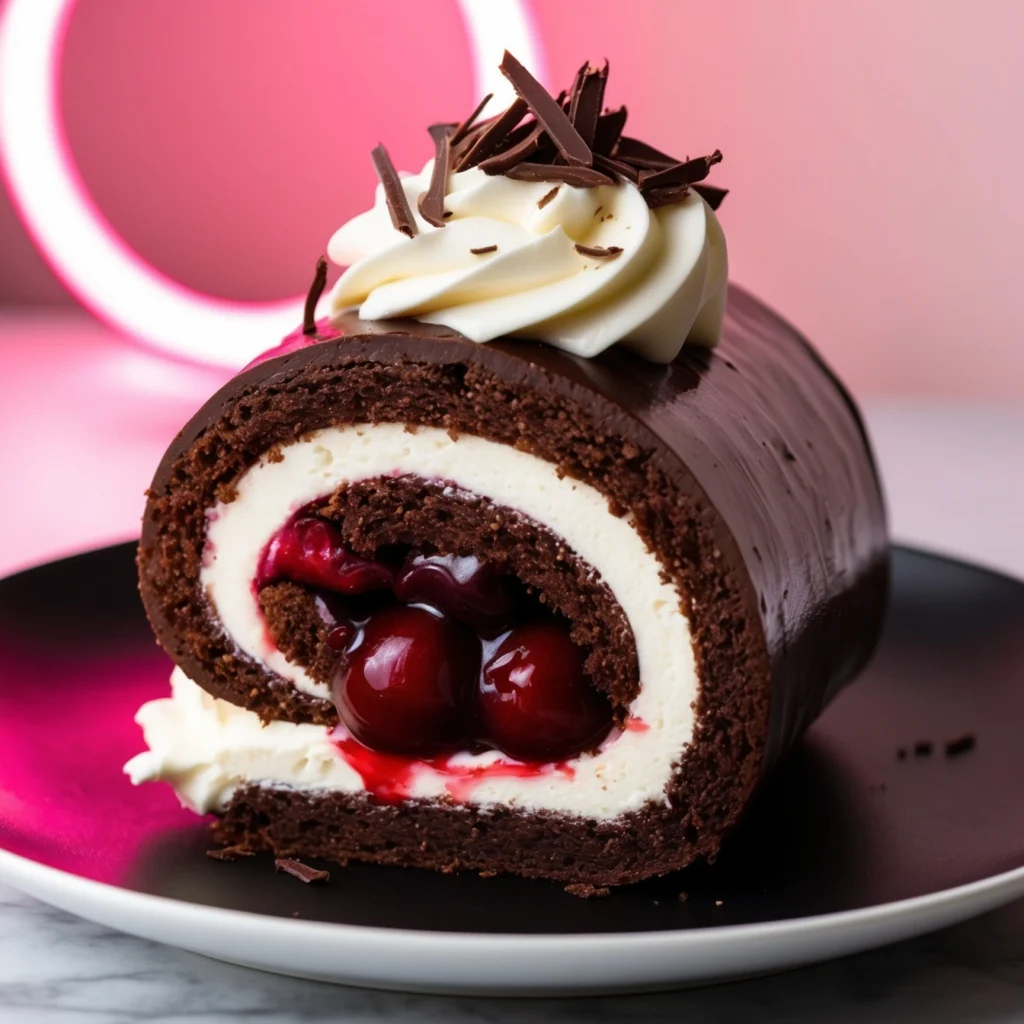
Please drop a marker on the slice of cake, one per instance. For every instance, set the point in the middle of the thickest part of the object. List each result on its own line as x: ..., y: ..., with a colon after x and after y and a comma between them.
x: 538, y: 552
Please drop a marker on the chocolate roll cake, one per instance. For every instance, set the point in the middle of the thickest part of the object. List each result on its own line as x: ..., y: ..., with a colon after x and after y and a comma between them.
x: 537, y: 552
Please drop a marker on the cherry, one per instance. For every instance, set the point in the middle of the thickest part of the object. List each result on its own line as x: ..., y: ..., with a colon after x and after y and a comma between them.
x: 463, y: 587
x: 310, y: 550
x: 404, y: 685
x: 534, y: 702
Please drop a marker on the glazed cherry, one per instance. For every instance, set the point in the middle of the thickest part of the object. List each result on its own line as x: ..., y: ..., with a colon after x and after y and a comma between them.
x: 465, y: 588
x: 534, y: 701
x: 404, y: 686
x: 310, y: 550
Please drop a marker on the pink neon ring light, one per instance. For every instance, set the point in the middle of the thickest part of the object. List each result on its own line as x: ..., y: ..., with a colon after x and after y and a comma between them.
x: 83, y: 249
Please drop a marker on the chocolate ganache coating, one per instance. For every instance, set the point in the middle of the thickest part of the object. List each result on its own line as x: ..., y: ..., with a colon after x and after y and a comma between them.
x: 756, y: 438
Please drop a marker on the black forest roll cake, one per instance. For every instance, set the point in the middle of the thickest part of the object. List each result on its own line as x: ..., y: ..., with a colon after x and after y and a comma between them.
x: 537, y: 551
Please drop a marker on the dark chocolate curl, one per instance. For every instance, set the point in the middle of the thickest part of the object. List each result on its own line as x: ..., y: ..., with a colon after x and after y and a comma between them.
x: 711, y: 195
x: 687, y: 172
x: 581, y: 177
x: 565, y: 137
x: 316, y: 289
x: 431, y: 202
x: 460, y: 131
x: 609, y: 128
x: 587, y: 100
x: 491, y: 138
x: 394, y: 193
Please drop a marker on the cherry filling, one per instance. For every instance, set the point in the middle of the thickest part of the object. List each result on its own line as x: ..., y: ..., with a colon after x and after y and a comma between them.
x: 310, y: 550
x: 441, y: 654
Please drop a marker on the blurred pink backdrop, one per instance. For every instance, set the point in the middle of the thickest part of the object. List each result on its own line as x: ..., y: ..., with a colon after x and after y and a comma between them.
x: 872, y: 148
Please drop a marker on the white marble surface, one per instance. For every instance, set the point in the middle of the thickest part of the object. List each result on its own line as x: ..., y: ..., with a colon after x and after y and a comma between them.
x: 955, y: 485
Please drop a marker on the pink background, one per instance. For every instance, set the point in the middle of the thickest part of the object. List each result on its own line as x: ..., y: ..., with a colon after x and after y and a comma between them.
x: 873, y: 149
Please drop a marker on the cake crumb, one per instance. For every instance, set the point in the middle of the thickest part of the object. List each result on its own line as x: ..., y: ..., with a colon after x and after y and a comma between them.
x: 960, y: 745
x: 719, y: 903
x: 586, y: 891
x: 683, y: 897
x: 923, y: 748
x: 229, y: 853
x: 488, y: 874
x: 303, y: 872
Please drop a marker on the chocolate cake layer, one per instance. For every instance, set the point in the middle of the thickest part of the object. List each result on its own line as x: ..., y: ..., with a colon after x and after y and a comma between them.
x: 431, y: 521
x: 745, y: 469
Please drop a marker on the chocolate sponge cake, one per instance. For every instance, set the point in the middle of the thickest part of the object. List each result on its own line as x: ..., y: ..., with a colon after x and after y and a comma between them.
x: 535, y: 554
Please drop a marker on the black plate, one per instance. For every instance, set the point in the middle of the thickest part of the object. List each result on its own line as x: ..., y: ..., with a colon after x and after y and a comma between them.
x: 845, y: 823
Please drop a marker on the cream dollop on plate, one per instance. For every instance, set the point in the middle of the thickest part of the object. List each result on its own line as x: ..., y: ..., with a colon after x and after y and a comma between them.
x: 666, y: 286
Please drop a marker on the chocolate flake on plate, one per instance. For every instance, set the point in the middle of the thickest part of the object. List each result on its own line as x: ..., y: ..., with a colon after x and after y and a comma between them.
x: 960, y: 745
x: 229, y: 853
x: 394, y: 193
x: 484, y: 249
x: 316, y: 289
x: 598, y: 252
x: 303, y: 872
x: 923, y: 748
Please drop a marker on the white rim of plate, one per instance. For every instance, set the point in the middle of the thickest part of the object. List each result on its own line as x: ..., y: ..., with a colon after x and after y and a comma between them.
x: 30, y: 876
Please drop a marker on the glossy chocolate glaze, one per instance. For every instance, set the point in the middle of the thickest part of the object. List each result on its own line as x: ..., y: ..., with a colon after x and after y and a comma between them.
x: 746, y: 469
x: 759, y: 429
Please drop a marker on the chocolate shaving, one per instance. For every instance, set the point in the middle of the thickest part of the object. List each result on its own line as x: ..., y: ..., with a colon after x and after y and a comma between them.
x: 568, y: 140
x: 547, y: 197
x: 316, y: 289
x: 711, y: 195
x: 484, y: 249
x: 431, y: 202
x: 491, y: 138
x: 548, y: 112
x: 586, y: 101
x: 515, y: 154
x: 598, y: 252
x: 582, y: 177
x: 923, y: 748
x: 460, y: 131
x: 394, y: 193
x: 609, y: 128
x: 613, y: 166
x: 639, y: 154
x: 438, y: 131
x: 229, y: 853
x: 303, y: 872
x: 663, y: 196
x: 688, y: 172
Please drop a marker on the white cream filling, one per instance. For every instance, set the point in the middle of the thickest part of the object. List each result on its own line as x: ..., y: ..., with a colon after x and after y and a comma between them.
x: 667, y: 285
x: 206, y: 748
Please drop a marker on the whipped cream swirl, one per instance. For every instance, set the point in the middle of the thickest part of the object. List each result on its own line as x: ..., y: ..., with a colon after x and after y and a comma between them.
x: 666, y: 286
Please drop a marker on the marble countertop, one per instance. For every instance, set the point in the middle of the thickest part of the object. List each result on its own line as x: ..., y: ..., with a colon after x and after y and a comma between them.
x: 953, y: 488
x: 56, y: 969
